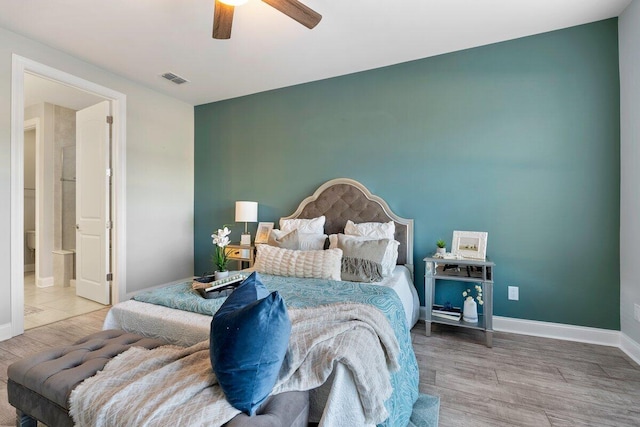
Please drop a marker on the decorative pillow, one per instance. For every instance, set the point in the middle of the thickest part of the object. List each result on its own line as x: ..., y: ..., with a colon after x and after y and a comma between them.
x: 249, y: 339
x: 305, y: 241
x: 310, y: 264
x: 361, y: 261
x: 297, y: 241
x: 313, y: 226
x: 333, y: 241
x: 390, y: 256
x: 374, y: 230
x: 312, y: 241
x: 284, y: 240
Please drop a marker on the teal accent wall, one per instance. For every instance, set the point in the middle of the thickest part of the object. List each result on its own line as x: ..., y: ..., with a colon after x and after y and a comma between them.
x: 520, y: 139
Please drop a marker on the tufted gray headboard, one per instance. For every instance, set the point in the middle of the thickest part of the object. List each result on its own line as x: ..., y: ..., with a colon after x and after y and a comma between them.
x: 343, y: 199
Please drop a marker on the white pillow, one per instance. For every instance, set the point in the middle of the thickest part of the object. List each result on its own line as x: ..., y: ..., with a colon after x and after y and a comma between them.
x: 312, y: 241
x: 306, y: 241
x: 284, y: 240
x: 306, y: 264
x: 376, y: 230
x: 313, y: 226
x: 389, y: 259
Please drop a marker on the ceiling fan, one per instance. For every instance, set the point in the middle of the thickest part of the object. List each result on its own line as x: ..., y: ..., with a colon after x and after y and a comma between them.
x: 223, y: 14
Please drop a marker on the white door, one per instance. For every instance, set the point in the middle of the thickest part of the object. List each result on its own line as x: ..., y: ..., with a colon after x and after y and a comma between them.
x: 92, y: 203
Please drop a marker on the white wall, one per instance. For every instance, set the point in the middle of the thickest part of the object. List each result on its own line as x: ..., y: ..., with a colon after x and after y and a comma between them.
x: 629, y: 40
x: 159, y: 172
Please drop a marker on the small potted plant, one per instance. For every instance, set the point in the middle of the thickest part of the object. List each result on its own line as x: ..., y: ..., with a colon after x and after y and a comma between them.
x: 220, y: 257
x: 442, y: 247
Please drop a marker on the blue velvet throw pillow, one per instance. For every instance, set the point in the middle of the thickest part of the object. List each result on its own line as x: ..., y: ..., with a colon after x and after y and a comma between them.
x: 249, y: 339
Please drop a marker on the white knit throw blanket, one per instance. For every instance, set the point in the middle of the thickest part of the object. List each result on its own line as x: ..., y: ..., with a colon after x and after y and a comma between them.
x: 173, y: 385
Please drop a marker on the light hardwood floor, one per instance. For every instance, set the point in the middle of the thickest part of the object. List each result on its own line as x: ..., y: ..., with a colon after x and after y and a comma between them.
x: 526, y: 381
x: 63, y: 332
x: 521, y: 381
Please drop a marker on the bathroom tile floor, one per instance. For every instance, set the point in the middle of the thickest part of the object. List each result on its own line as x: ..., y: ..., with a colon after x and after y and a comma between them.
x: 47, y: 305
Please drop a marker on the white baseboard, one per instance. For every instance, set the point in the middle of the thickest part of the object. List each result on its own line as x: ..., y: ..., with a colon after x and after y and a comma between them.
x: 44, y: 282
x: 630, y: 347
x: 557, y: 330
x: 561, y: 331
x: 5, y: 332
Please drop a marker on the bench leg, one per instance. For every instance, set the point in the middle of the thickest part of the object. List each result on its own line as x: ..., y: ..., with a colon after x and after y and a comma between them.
x: 24, y: 420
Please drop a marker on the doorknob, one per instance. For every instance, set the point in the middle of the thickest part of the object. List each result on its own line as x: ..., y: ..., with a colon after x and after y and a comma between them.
x: 77, y: 226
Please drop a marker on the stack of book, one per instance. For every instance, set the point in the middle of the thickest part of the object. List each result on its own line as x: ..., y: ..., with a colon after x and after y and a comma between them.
x: 448, y: 312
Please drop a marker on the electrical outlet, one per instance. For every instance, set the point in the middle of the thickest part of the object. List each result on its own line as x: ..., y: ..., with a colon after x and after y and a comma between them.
x: 636, y: 312
x: 513, y: 293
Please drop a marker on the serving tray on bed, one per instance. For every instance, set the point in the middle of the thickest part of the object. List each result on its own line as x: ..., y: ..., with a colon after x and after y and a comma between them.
x: 210, y: 288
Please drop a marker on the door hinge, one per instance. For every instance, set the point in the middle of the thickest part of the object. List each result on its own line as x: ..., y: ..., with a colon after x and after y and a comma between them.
x: 110, y: 120
x: 109, y: 225
x: 109, y: 172
x: 109, y: 277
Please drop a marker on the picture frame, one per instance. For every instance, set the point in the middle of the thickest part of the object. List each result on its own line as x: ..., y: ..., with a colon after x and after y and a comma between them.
x: 470, y: 244
x: 262, y: 234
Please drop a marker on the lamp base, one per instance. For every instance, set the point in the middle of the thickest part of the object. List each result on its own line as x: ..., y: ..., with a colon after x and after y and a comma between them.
x: 245, y: 239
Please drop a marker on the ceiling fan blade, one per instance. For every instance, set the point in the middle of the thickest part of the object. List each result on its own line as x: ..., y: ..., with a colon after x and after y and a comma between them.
x: 296, y: 10
x: 222, y: 20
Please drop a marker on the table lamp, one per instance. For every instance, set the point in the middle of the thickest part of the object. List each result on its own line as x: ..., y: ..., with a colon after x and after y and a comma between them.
x: 246, y: 212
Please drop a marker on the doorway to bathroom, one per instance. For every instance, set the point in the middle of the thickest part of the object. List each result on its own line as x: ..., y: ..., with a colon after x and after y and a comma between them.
x: 32, y: 291
x: 53, y: 113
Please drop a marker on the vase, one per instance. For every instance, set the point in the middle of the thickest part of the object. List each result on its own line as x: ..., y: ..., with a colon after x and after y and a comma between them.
x: 221, y: 274
x: 470, y: 311
x: 441, y: 251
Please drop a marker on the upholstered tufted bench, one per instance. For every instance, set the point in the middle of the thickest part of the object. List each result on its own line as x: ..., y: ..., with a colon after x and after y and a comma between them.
x: 39, y: 386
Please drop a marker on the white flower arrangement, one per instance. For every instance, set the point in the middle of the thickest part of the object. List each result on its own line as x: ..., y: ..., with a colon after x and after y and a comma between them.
x: 221, y: 240
x: 467, y: 294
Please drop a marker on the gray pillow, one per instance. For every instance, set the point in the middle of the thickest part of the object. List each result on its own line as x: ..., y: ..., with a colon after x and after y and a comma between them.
x: 288, y: 241
x: 362, y: 259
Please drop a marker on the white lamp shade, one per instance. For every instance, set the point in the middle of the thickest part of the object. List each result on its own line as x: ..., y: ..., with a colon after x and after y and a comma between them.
x: 246, y: 211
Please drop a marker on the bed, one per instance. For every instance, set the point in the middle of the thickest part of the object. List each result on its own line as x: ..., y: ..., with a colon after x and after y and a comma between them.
x: 186, y: 321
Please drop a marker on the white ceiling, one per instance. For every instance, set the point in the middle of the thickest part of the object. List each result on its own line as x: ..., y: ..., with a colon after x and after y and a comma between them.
x: 143, y: 39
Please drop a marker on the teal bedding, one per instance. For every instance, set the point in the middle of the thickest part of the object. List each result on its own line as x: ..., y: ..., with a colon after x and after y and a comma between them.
x: 301, y: 293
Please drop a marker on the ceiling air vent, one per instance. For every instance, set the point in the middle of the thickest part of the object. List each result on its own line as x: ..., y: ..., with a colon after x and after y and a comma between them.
x: 174, y: 78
